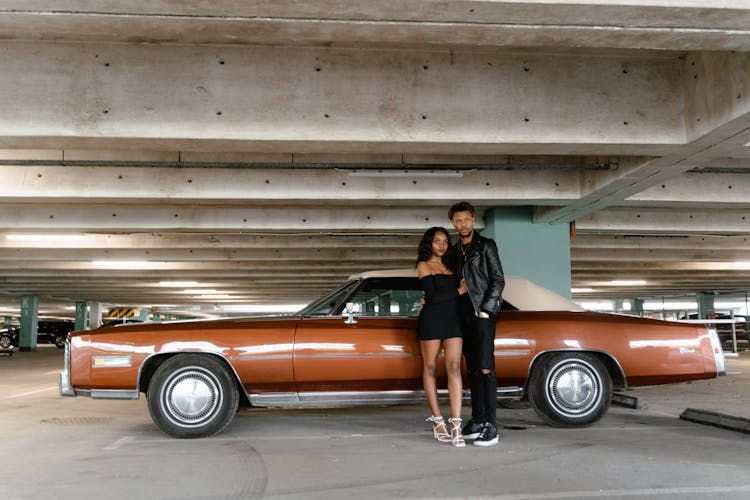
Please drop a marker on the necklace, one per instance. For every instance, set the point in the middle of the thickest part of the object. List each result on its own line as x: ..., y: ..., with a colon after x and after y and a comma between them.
x: 464, y: 248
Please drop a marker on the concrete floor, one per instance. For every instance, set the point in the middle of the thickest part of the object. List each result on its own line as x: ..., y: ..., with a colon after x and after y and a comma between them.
x: 60, y: 448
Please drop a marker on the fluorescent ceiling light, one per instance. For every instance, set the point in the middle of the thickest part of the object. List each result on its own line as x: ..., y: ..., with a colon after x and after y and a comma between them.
x: 179, y: 284
x: 200, y: 290
x: 627, y: 282
x: 45, y: 237
x: 406, y: 173
x: 263, y: 308
x: 214, y: 296
x: 581, y: 290
x: 129, y: 264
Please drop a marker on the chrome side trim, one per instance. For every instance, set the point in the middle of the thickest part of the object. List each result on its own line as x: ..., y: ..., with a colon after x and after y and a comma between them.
x: 262, y: 356
x: 274, y: 399
x: 114, y: 394
x: 512, y: 353
x: 357, y: 398
x: 371, y: 355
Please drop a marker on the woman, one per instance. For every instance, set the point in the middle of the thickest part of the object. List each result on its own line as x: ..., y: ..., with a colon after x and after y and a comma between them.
x: 439, y: 328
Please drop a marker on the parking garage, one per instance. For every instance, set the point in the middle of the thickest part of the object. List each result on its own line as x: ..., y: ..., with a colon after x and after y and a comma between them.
x: 167, y: 161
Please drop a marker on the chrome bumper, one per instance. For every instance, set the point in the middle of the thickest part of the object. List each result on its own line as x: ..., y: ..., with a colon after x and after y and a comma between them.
x: 63, y: 378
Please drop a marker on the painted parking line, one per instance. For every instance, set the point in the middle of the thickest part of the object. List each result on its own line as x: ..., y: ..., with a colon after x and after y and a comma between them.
x: 29, y: 393
x: 635, y: 492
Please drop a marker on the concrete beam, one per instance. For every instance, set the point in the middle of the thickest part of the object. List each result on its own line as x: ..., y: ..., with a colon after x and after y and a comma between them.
x: 282, y: 99
x: 196, y: 218
x: 672, y: 242
x: 340, y: 186
x: 233, y: 241
x: 378, y: 253
x: 672, y: 25
x: 665, y: 221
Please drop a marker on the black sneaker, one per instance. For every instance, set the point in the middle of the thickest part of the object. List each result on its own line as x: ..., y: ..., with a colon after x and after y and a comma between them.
x: 472, y: 429
x: 487, y: 436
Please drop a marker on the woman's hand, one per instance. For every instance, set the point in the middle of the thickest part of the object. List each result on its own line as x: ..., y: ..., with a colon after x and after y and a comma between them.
x: 462, y: 288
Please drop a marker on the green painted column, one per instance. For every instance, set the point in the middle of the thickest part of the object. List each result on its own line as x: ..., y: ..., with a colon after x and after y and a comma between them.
x: 143, y: 313
x: 8, y: 320
x: 705, y: 304
x: 82, y: 312
x: 539, y: 252
x: 29, y: 322
x: 636, y: 306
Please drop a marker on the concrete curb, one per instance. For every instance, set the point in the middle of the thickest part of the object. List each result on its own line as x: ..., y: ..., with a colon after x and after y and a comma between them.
x: 721, y: 420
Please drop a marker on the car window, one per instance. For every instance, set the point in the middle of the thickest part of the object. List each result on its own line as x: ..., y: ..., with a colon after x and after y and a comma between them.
x: 387, y: 297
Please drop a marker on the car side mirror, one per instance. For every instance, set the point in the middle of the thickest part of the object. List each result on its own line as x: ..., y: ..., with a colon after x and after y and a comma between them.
x: 349, y: 312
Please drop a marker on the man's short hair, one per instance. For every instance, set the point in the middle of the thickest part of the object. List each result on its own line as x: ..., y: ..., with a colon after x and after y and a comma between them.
x: 461, y: 206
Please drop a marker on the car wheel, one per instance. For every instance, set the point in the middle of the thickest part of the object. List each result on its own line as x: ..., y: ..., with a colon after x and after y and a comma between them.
x: 6, y: 342
x: 60, y: 341
x: 569, y: 389
x: 191, y: 396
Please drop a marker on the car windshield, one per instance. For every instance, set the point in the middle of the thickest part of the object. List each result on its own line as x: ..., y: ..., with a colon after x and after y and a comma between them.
x: 325, y: 305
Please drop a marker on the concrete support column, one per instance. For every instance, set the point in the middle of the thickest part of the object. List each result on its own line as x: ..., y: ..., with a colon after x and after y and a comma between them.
x: 636, y: 306
x: 95, y: 315
x: 539, y: 252
x: 706, y: 304
x: 143, y: 314
x: 29, y: 322
x: 81, y: 315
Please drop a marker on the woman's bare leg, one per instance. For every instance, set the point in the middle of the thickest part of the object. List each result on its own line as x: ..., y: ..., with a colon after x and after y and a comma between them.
x: 430, y: 351
x: 453, y: 351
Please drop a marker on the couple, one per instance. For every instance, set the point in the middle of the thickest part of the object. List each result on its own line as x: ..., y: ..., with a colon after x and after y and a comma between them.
x: 462, y: 285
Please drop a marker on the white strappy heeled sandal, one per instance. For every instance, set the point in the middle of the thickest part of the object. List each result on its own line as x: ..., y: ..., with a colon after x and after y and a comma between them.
x: 457, y: 437
x: 439, y: 430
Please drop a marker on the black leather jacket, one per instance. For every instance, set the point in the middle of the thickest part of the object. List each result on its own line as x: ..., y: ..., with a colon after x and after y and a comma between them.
x: 483, y: 272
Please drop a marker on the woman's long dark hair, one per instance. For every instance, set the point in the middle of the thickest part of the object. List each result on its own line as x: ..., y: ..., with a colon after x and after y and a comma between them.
x: 424, y: 251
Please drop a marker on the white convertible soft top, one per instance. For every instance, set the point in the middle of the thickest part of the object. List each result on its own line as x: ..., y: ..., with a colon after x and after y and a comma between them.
x: 520, y: 292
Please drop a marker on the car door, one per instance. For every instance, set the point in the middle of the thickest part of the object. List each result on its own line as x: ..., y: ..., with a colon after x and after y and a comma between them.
x: 376, y: 357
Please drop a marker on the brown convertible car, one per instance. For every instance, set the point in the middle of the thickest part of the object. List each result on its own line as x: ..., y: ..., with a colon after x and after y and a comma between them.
x: 357, y: 345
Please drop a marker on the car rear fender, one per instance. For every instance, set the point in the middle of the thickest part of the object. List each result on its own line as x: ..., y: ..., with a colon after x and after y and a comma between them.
x: 616, y: 373
x: 154, y: 361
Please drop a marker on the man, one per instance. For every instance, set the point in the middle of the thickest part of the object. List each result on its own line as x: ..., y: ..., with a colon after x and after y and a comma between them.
x: 478, y: 264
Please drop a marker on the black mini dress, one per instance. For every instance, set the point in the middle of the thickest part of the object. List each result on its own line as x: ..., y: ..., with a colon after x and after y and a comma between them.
x: 438, y: 318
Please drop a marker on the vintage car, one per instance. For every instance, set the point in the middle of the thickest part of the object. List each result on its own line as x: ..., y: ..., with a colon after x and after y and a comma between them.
x: 48, y: 330
x: 357, y: 345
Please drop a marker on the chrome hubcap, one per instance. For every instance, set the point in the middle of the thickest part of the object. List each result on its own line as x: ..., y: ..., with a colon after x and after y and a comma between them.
x: 574, y: 388
x: 192, y: 397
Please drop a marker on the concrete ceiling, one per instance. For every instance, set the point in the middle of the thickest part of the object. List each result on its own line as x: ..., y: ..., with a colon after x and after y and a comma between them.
x: 267, y: 150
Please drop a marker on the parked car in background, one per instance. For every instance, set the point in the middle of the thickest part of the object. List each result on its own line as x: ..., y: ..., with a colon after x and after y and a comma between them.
x: 724, y: 327
x: 358, y: 345
x: 48, y: 330
x: 8, y: 337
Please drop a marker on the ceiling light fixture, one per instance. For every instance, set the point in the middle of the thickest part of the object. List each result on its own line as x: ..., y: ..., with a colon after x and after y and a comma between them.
x: 581, y: 290
x: 179, y: 284
x: 406, y: 173
x: 627, y: 282
x: 44, y: 237
x: 129, y: 264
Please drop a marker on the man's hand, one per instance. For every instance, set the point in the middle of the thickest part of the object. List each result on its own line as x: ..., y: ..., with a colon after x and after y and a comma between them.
x: 483, y: 315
